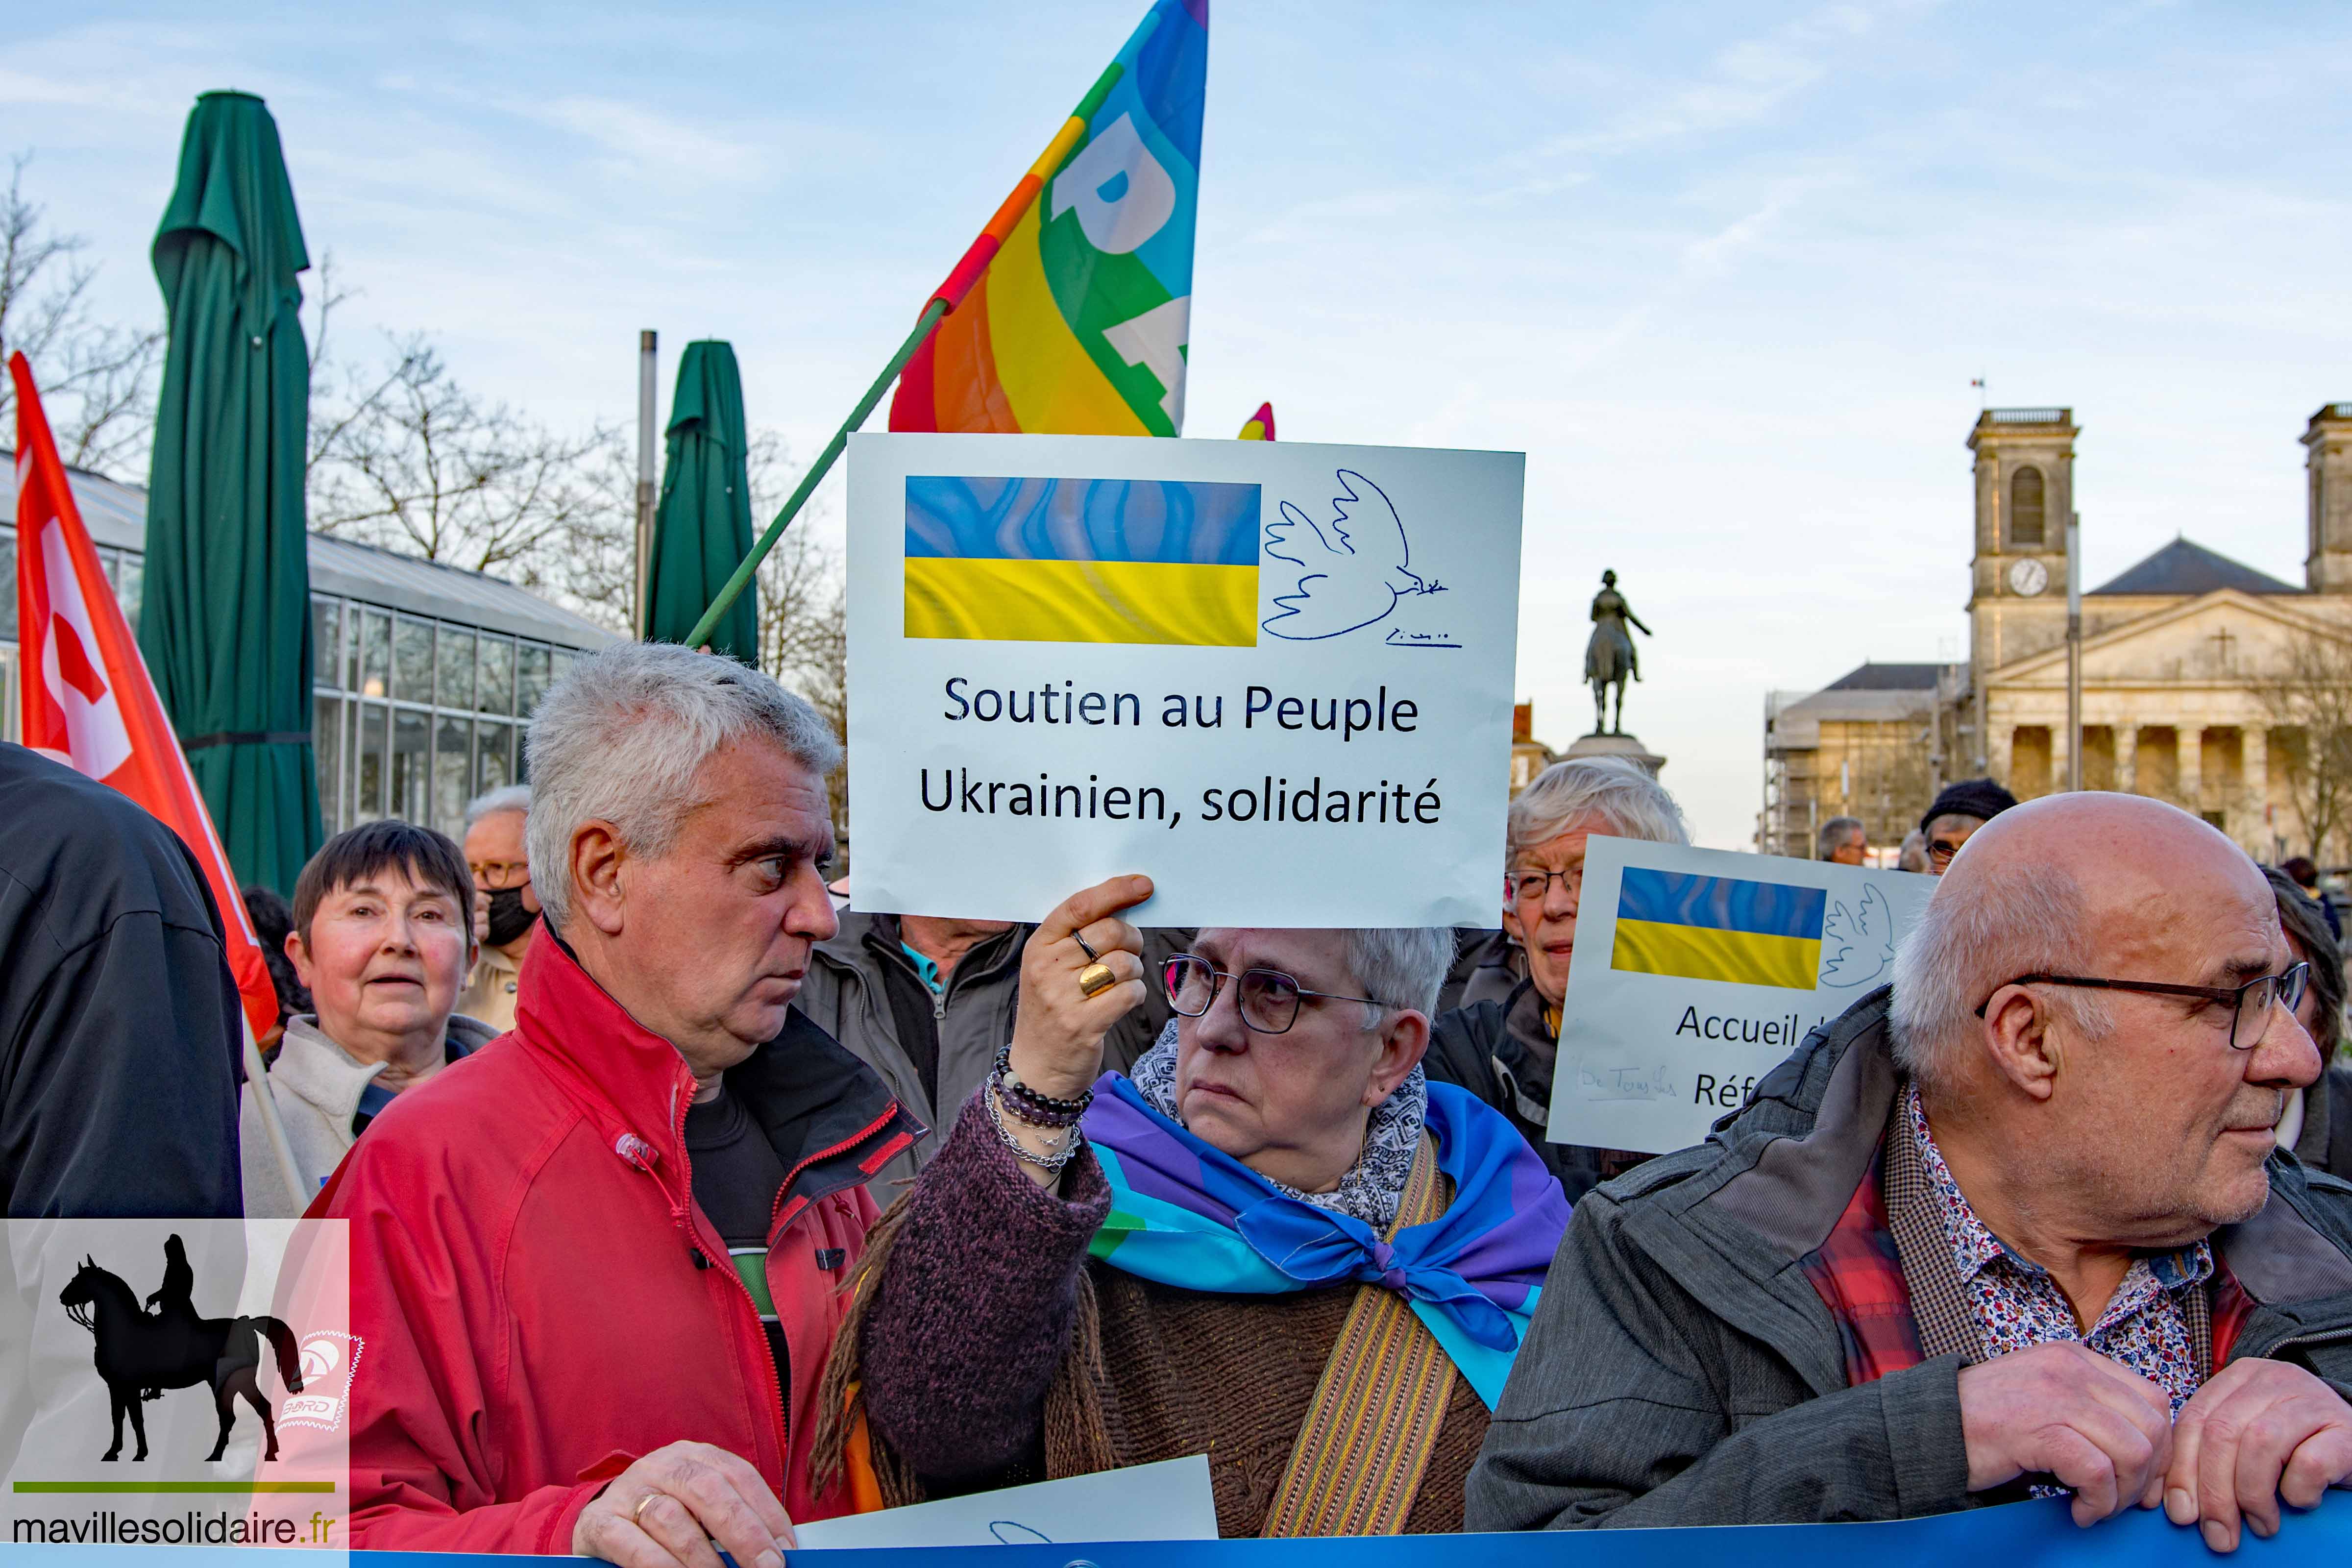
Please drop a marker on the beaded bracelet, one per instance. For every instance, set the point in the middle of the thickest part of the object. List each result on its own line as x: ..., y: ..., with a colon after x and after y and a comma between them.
x: 1038, y: 1110
x: 1050, y: 1163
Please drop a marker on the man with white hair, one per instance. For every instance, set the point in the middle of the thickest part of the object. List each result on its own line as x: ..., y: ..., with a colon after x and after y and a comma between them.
x: 597, y: 1265
x: 2020, y: 1223
x: 499, y: 861
x: 1501, y: 1043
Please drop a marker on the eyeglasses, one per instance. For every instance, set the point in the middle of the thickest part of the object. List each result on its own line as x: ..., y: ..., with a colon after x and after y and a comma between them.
x: 497, y: 874
x: 2250, y: 1004
x: 1532, y: 887
x: 1942, y: 850
x: 1268, y: 997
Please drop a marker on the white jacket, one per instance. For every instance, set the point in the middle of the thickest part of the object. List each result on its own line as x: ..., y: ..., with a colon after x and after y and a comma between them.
x: 317, y: 1087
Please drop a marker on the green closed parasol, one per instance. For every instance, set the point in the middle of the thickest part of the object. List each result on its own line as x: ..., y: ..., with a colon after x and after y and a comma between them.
x: 225, y: 621
x: 702, y: 530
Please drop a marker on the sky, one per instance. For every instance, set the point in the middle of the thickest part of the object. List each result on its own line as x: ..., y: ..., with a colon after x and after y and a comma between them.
x: 1723, y: 272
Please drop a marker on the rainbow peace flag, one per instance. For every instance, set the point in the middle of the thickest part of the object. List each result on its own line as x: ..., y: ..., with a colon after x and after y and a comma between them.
x: 1259, y: 426
x: 1069, y: 315
x: 1719, y: 928
x: 1122, y: 561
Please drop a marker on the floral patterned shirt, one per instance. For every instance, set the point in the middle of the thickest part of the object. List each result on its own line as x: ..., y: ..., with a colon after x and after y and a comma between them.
x: 2018, y: 1305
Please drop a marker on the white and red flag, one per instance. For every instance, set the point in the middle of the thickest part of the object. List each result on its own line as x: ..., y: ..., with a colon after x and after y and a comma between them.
x: 87, y: 701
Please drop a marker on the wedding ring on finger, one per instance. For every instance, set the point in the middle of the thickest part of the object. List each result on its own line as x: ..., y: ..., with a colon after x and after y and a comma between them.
x: 637, y: 1514
x: 1095, y: 978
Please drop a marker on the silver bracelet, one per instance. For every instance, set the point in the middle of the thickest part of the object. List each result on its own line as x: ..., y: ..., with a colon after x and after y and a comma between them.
x: 1050, y: 1163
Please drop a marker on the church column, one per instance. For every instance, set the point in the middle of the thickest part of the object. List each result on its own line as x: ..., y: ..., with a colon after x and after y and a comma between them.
x: 2127, y: 757
x: 1997, y: 753
x: 2255, y: 803
x: 2192, y: 776
x: 2058, y: 748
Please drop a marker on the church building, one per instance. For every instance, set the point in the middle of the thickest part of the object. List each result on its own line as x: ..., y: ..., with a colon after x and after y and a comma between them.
x: 2205, y: 683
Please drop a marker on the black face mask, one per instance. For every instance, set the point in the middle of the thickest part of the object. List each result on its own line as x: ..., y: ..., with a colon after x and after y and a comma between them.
x: 509, y: 919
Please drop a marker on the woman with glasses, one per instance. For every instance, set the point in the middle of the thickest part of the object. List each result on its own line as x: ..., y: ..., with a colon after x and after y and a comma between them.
x: 1500, y: 1044
x: 2318, y: 1121
x: 1276, y: 1243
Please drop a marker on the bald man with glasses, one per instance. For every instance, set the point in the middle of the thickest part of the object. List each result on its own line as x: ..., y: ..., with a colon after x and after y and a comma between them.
x: 2019, y: 1224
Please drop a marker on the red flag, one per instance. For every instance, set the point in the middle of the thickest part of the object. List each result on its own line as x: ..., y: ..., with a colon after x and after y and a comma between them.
x: 87, y: 701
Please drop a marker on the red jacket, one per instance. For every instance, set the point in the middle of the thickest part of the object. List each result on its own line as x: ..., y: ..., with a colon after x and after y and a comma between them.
x: 536, y: 1297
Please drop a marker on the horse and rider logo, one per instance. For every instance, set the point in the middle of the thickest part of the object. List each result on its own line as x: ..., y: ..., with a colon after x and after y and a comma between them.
x: 140, y: 1353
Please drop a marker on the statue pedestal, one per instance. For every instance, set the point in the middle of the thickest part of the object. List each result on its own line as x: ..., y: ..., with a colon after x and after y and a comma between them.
x: 1626, y: 746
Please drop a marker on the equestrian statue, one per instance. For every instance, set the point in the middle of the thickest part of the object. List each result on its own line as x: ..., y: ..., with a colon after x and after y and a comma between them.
x: 1610, y: 658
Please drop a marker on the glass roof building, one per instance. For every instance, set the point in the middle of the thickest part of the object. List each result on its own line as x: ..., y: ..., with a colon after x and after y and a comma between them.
x: 425, y: 675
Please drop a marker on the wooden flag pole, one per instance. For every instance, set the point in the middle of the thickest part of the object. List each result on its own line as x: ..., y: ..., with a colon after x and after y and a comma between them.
x: 709, y: 625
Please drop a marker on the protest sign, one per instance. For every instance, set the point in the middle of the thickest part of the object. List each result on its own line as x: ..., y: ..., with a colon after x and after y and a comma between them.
x: 1170, y: 1500
x: 1695, y: 972
x: 1275, y: 678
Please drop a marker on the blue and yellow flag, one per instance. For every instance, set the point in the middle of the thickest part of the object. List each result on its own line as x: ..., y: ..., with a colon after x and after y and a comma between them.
x: 1718, y: 927
x: 1119, y: 560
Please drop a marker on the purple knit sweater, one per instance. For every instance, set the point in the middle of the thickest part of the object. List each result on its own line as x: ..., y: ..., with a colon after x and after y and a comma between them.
x: 971, y: 1316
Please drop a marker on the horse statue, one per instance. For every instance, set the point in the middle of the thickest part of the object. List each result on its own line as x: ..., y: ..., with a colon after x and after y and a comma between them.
x: 1609, y: 658
x: 177, y: 1348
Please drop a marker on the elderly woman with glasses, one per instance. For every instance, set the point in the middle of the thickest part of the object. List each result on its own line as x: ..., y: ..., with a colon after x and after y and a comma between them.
x: 1277, y: 1243
x: 1501, y: 1043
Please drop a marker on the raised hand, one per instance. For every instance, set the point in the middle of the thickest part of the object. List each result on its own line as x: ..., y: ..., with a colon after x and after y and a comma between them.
x: 2069, y: 1412
x: 2257, y: 1433
x: 1057, y: 1035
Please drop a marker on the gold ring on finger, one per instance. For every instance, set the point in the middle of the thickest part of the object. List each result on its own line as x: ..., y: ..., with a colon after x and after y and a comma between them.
x: 637, y: 1514
x: 1097, y: 978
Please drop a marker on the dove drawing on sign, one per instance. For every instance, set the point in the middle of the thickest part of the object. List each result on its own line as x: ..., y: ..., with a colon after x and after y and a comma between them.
x: 1351, y: 569
x: 1858, y: 944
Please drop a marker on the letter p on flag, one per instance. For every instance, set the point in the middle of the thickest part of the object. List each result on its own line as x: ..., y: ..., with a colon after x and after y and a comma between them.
x: 88, y: 701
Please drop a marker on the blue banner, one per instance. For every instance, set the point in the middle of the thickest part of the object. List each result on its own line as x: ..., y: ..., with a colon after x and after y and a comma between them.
x: 2024, y: 1535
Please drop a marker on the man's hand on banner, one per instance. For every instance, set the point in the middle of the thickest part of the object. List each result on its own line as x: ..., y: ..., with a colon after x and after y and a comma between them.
x: 2257, y: 1432
x: 664, y: 1510
x: 2068, y: 1412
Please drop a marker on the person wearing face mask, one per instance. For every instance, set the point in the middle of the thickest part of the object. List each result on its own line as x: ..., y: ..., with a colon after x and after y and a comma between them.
x: 500, y: 865
x: 383, y: 935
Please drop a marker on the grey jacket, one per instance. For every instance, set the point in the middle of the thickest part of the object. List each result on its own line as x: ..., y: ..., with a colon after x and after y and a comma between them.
x: 316, y: 1085
x: 846, y: 995
x: 1682, y: 1370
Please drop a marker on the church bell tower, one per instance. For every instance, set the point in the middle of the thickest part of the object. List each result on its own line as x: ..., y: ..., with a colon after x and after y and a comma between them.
x: 2017, y: 581
x: 2025, y: 496
x: 2327, y: 565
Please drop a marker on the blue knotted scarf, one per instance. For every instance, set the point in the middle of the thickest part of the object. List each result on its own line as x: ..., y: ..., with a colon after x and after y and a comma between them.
x: 1184, y: 1213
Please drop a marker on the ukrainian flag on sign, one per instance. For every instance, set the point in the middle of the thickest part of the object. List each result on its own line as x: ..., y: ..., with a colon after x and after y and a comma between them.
x: 1106, y: 561
x: 1718, y: 927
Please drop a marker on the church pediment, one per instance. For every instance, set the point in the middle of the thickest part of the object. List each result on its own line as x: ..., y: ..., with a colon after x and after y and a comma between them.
x: 2227, y: 635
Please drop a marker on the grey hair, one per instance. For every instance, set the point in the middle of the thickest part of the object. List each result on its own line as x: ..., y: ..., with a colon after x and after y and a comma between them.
x: 1400, y: 967
x: 513, y: 797
x: 623, y: 738
x: 1833, y: 834
x: 1977, y: 934
x: 1621, y: 794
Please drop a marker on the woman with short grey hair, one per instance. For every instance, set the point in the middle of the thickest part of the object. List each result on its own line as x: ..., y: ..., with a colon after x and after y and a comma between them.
x: 1272, y: 1240
x: 1501, y: 1041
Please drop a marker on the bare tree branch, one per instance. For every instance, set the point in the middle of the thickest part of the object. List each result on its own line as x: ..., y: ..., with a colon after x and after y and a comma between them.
x: 97, y: 381
x: 2309, y: 704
